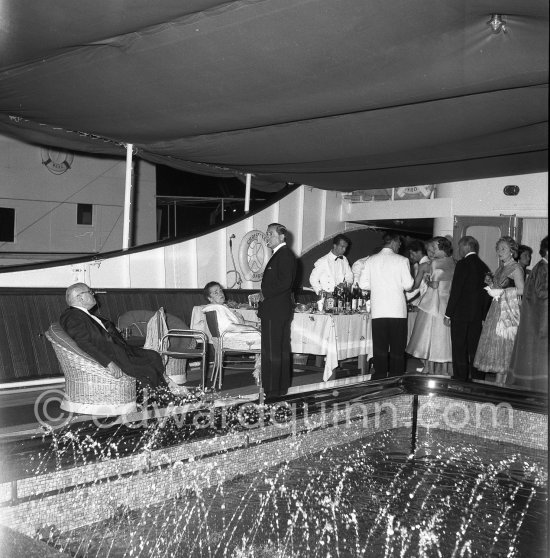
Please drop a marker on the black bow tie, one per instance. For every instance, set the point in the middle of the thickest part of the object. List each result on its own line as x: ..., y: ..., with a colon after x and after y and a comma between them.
x: 338, y: 258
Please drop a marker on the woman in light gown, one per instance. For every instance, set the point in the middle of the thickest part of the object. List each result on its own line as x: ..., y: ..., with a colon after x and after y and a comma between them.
x: 430, y: 339
x: 240, y: 333
x: 494, y: 351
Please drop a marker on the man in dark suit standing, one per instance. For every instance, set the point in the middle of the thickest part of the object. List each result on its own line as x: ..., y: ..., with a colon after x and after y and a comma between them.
x: 467, y: 306
x: 275, y: 311
x: 100, y: 339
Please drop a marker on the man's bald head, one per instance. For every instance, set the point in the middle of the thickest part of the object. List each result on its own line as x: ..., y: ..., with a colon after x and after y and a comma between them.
x: 80, y: 294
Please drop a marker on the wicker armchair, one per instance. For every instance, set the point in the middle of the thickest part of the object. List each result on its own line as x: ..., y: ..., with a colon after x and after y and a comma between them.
x: 89, y: 388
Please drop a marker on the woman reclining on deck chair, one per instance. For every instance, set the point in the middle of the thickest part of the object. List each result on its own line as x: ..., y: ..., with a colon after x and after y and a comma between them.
x: 229, y: 320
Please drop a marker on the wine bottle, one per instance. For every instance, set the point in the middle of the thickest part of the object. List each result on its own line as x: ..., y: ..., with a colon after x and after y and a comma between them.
x: 356, y: 296
x: 339, y: 300
x: 329, y: 301
x: 321, y: 301
x: 347, y: 298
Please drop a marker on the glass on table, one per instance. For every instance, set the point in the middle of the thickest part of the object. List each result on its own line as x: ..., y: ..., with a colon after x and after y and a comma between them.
x: 253, y: 300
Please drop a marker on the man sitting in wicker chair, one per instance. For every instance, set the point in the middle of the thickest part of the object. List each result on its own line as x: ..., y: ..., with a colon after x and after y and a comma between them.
x: 100, y: 339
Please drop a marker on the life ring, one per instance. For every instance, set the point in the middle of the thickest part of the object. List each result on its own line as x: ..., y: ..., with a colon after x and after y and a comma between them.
x: 57, y: 161
x: 253, y: 255
x: 411, y: 192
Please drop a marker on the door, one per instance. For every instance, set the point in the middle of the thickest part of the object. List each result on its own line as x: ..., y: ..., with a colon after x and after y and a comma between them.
x: 487, y: 231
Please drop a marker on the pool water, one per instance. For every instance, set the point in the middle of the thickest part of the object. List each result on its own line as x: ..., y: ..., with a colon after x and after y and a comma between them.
x: 451, y: 495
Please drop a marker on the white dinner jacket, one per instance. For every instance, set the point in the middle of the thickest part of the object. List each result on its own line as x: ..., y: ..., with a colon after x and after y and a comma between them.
x: 357, y: 267
x: 329, y: 272
x: 387, y: 275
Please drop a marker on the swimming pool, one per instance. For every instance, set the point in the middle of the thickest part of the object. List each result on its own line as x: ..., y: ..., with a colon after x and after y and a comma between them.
x: 370, y: 497
x: 415, y: 451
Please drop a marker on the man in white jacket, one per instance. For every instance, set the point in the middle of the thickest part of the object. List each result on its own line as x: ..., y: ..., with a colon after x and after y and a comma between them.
x: 387, y: 275
x: 333, y: 269
x: 357, y: 268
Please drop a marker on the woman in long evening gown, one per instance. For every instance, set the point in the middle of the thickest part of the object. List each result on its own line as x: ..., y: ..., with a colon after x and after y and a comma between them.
x: 494, y: 351
x: 530, y: 356
x: 430, y: 339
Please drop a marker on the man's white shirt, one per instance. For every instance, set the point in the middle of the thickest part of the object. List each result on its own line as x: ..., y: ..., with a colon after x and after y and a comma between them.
x: 91, y: 316
x: 387, y: 275
x: 330, y: 271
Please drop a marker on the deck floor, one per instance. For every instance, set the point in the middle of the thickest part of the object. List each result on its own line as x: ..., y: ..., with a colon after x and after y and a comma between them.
x: 17, y: 406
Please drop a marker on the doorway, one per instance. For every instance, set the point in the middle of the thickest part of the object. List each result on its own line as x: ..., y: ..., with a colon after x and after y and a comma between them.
x: 487, y: 231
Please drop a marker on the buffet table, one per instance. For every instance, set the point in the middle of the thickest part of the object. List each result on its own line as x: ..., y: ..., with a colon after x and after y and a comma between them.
x: 337, y: 336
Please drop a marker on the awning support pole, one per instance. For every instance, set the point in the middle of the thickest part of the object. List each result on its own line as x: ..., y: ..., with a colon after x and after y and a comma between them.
x: 247, y: 193
x: 126, y: 231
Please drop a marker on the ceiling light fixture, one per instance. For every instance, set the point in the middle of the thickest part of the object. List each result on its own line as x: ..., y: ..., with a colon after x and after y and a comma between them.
x: 497, y: 24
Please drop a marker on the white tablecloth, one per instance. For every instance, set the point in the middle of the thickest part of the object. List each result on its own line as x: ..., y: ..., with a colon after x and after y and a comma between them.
x: 337, y: 336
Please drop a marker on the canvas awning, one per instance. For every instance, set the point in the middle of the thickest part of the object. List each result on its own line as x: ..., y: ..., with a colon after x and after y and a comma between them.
x: 337, y: 94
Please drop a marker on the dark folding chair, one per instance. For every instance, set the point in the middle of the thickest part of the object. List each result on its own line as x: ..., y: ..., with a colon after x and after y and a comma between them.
x: 229, y: 342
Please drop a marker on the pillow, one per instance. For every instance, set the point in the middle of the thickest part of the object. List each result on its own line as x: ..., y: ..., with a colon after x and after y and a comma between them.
x: 60, y: 336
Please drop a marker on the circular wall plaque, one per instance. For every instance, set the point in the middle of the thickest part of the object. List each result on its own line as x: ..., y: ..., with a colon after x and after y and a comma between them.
x: 57, y: 161
x: 253, y: 255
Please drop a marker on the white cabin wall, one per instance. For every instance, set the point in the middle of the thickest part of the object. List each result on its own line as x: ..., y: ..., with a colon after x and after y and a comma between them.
x: 485, y: 197
x: 181, y: 265
x: 291, y: 210
x: 239, y: 230
x: 212, y: 251
x: 334, y: 221
x: 311, y: 216
x: 45, y: 203
x: 482, y: 197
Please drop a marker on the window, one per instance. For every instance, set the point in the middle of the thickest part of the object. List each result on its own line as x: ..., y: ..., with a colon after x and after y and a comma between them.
x: 84, y: 212
x: 7, y: 224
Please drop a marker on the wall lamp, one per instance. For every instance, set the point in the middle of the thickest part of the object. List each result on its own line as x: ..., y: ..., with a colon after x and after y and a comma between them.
x: 497, y: 24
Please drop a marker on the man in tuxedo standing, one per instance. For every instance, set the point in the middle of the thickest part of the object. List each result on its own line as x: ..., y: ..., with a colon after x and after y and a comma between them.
x: 466, y: 309
x: 332, y: 270
x: 387, y: 275
x: 275, y: 311
x: 100, y: 339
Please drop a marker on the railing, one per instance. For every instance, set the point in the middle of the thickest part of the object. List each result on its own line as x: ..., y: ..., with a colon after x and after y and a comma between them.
x: 426, y: 191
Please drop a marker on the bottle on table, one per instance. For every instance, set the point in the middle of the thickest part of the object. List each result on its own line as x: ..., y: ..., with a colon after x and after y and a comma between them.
x: 340, y: 302
x: 356, y: 297
x: 321, y: 301
x: 347, y: 298
x: 330, y: 301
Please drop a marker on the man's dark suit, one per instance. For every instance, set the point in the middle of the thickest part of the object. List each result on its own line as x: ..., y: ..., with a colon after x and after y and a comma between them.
x: 275, y: 312
x: 109, y: 346
x: 467, y: 306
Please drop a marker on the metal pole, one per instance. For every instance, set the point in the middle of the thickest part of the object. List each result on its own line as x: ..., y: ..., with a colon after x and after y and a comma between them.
x: 126, y: 232
x: 247, y: 193
x: 223, y: 210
